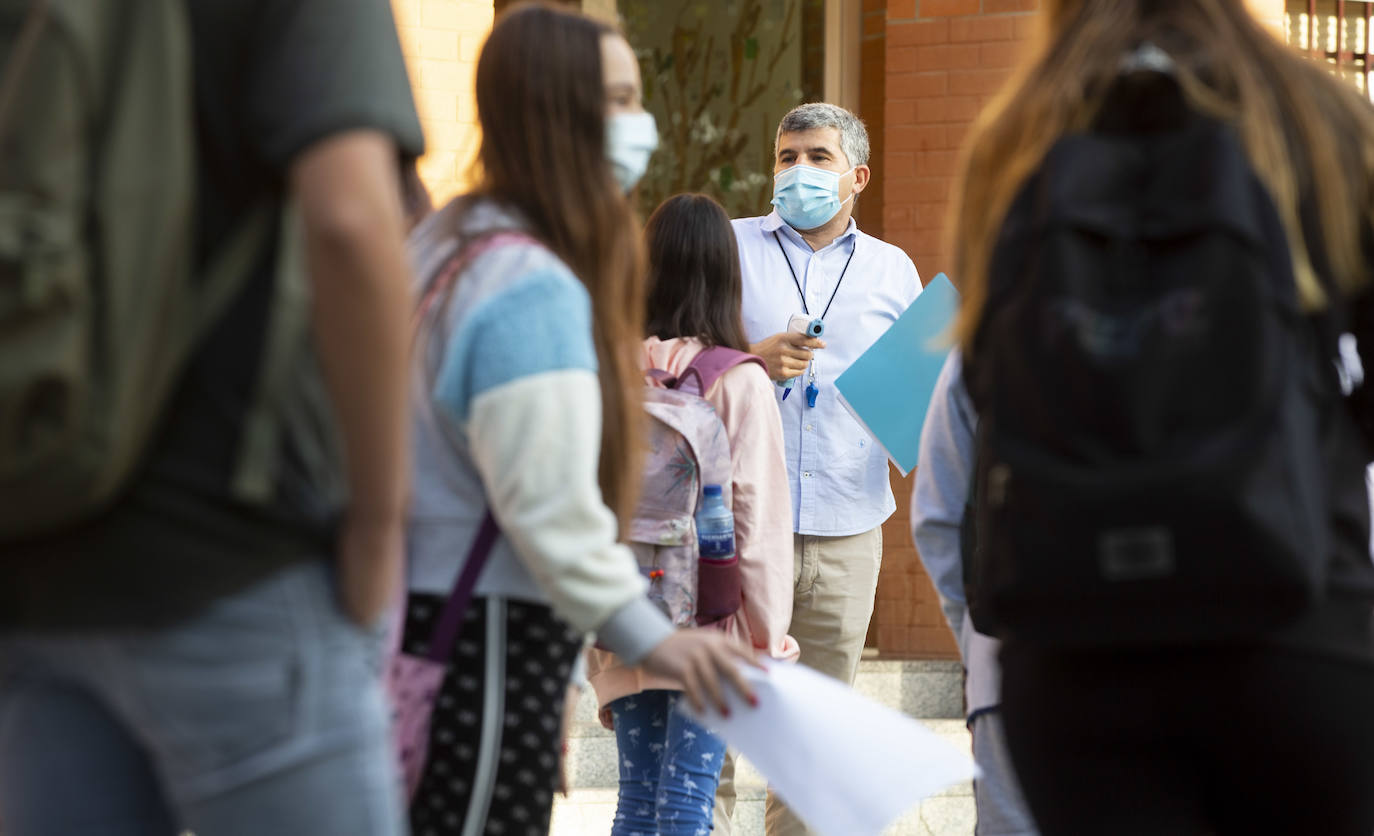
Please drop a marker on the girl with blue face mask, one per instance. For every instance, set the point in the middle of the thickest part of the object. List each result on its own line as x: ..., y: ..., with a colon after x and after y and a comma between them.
x: 526, y: 426
x: 631, y: 133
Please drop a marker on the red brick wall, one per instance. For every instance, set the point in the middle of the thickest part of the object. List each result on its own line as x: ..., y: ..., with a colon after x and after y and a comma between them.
x: 907, y: 622
x: 944, y: 59
x: 868, y: 211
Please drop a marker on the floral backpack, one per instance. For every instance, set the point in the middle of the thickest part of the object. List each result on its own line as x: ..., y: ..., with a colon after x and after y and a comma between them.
x: 688, y: 449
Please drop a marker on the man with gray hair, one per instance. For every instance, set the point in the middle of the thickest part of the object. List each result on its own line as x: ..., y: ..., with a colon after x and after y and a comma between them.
x: 808, y: 261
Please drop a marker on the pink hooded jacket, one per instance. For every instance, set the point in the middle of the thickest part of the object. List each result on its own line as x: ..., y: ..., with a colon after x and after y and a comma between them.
x: 762, y: 505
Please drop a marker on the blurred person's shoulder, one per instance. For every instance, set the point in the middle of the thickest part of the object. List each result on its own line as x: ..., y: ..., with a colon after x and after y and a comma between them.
x: 276, y: 76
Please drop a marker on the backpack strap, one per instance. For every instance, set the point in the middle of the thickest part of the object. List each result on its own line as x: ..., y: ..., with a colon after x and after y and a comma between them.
x: 18, y: 66
x: 1337, y: 318
x: 707, y: 367
x: 288, y: 325
x: 450, y: 622
x: 447, y: 275
x: 229, y: 267
x: 467, y: 253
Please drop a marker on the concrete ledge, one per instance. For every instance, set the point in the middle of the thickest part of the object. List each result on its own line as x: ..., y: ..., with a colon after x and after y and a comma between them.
x: 592, y: 763
x: 919, y: 688
x: 590, y: 812
x: 931, y: 691
x: 916, y: 688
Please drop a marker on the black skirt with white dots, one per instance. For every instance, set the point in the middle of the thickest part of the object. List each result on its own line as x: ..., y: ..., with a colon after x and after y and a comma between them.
x: 494, y: 738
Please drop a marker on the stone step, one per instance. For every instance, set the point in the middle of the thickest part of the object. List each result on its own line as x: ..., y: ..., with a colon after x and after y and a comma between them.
x: 590, y: 812
x: 931, y: 691
x: 591, y: 760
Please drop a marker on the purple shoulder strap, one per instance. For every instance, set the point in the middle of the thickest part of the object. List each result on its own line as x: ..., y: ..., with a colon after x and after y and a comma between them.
x: 707, y: 367
x: 451, y: 619
x: 450, y: 622
x: 458, y: 262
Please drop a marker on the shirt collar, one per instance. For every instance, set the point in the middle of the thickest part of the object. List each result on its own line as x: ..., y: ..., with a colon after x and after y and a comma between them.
x: 774, y: 222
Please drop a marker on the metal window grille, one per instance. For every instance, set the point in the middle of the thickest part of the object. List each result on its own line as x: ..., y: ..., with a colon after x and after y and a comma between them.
x: 1338, y: 33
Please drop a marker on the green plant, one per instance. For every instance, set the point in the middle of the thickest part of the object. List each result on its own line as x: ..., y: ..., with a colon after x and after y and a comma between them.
x: 717, y: 80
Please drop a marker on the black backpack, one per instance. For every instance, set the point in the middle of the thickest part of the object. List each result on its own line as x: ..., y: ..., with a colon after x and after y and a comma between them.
x: 1152, y: 401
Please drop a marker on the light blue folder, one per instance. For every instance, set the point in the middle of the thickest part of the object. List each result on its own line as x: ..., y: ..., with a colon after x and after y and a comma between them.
x: 888, y: 388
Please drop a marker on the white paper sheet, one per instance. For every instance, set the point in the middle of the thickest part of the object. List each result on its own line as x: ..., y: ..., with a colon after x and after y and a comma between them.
x: 846, y: 765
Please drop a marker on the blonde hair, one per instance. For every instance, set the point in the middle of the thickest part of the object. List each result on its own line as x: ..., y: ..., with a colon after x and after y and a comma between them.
x: 1309, y: 136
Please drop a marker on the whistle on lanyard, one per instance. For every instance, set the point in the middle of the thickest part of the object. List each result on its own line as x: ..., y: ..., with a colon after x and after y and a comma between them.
x: 814, y: 327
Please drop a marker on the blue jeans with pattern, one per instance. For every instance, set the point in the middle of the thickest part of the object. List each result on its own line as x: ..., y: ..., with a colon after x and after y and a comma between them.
x: 669, y: 766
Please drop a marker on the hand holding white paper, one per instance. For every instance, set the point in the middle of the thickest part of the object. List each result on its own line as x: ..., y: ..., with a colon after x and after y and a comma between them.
x: 846, y: 765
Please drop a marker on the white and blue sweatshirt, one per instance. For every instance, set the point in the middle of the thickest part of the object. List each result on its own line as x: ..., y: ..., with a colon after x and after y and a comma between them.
x: 507, y: 415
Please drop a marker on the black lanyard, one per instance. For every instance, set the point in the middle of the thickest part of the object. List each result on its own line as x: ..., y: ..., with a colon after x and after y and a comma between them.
x: 796, y: 282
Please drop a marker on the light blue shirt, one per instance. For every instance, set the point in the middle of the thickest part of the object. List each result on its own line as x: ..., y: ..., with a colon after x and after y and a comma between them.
x: 937, y: 511
x: 838, y: 474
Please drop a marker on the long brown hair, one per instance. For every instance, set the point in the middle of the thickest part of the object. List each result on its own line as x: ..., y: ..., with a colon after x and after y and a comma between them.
x: 541, y: 104
x: 695, y: 284
x: 1307, y: 134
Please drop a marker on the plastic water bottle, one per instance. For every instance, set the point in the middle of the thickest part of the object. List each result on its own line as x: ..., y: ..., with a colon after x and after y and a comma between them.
x: 715, y: 527
x: 718, y: 572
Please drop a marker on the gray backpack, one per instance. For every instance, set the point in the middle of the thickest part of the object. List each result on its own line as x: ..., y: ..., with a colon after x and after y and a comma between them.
x: 100, y: 305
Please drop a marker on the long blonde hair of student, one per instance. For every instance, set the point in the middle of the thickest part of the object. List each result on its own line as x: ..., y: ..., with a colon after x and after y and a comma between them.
x: 1305, y: 132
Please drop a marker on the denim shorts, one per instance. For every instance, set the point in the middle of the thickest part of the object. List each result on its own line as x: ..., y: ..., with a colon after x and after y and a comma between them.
x: 264, y: 714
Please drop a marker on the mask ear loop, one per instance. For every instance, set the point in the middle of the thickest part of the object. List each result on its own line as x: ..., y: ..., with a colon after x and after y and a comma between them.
x: 852, y: 193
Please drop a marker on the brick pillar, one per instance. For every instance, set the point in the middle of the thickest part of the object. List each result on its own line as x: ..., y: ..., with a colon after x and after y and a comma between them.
x: 441, y: 40
x: 944, y: 60
x: 868, y: 211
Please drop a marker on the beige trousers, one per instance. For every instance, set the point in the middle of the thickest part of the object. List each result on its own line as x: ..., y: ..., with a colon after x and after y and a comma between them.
x: 835, y: 580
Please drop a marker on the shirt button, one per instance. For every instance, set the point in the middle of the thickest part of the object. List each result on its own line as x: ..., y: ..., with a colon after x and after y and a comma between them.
x: 810, y: 427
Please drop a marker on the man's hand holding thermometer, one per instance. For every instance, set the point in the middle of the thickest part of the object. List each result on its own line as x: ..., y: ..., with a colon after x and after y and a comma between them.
x: 788, y: 354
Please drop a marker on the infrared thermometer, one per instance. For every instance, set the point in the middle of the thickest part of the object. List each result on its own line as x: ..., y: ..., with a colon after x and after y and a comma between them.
x: 811, y: 326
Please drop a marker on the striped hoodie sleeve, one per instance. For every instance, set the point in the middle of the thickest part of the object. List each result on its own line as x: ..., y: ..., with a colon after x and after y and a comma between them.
x: 519, y: 377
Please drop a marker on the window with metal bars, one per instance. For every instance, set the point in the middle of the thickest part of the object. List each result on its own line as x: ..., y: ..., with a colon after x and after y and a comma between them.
x: 1337, y: 32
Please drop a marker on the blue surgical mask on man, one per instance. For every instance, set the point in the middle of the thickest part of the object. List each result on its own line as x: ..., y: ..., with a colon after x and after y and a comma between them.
x: 630, y: 140
x: 807, y: 197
